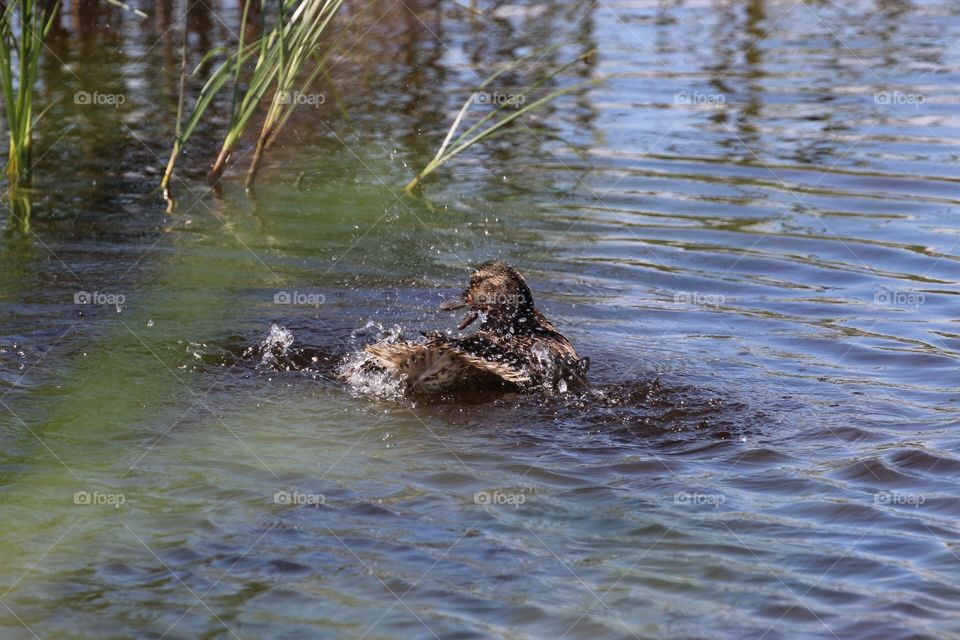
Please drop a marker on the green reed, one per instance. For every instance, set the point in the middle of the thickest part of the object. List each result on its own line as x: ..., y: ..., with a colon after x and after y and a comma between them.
x: 24, y: 25
x: 292, y: 50
x: 493, y: 122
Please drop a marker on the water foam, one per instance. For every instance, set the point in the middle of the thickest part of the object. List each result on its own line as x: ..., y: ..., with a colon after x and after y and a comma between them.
x: 362, y: 373
x: 275, y: 347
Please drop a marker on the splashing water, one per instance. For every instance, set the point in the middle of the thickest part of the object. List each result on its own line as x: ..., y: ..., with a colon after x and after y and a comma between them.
x: 276, y: 346
x: 358, y: 369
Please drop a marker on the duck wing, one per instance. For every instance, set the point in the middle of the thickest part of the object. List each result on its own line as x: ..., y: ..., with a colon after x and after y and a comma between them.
x: 432, y: 368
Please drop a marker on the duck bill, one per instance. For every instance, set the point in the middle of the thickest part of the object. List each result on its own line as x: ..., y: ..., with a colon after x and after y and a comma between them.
x: 468, y: 320
x: 460, y: 302
x: 453, y: 303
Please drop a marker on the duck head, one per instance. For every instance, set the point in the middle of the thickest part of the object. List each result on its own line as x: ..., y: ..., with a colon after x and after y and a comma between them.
x: 500, y: 294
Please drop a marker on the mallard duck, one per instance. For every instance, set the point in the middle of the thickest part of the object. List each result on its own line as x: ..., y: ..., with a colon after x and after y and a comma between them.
x: 514, y: 347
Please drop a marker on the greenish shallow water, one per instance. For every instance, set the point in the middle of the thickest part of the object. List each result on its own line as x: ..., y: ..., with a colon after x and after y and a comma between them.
x: 754, y: 239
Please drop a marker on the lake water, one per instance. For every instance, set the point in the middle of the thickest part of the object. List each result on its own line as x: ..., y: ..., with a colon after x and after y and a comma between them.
x: 754, y: 234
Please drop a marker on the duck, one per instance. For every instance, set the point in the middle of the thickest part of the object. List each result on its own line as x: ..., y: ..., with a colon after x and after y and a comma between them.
x: 514, y: 347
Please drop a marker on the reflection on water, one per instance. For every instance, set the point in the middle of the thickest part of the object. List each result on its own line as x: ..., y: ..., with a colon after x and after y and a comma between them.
x: 752, y: 233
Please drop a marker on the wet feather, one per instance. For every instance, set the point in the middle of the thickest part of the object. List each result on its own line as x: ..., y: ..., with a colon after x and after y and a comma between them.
x: 515, y: 346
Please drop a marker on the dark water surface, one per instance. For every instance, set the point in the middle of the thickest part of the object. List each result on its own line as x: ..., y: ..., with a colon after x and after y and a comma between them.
x: 753, y: 234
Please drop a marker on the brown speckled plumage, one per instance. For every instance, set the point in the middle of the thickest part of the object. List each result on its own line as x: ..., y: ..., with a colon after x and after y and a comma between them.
x: 515, y: 346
